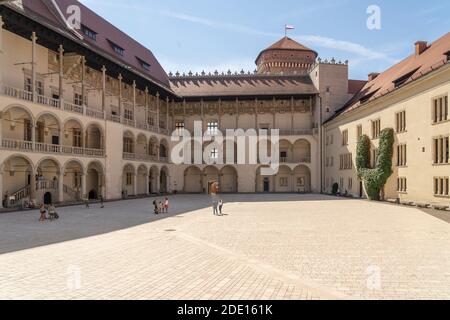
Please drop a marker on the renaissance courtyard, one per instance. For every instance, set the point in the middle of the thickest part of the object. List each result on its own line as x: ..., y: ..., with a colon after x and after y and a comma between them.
x: 264, y: 247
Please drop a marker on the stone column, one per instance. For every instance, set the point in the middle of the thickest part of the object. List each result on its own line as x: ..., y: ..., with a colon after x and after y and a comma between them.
x: 134, y: 100
x: 146, y: 107
x: 61, y: 186
x: 237, y: 114
x: 202, y: 115
x: 292, y: 115
x: 1, y: 54
x: 147, y: 182
x: 167, y: 114
x: 256, y: 114
x: 83, y: 185
x: 61, y: 76
x: 157, y: 111
x: 1, y: 123
x: 33, y: 65
x: 1, y: 177
x: 83, y: 85
x: 273, y: 113
x: 220, y: 114
x: 120, y: 96
x: 103, y: 88
x: 157, y: 184
x: 33, y: 134
x: 33, y: 187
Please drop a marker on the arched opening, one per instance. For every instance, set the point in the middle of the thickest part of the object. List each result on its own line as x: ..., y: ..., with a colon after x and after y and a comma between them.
x: 128, y: 179
x: 47, y: 179
x: 228, y: 180
x: 164, y: 180
x: 141, y: 144
x: 283, y: 179
x: 94, y: 137
x: 73, y: 172
x: 286, y: 150
x: 153, y: 147
x: 47, y: 132
x: 153, y: 180
x: 17, y: 124
x: 72, y: 134
x: 128, y: 142
x: 94, y: 180
x: 210, y: 176
x: 192, y: 180
x: 302, y: 179
x: 264, y: 183
x: 17, y: 171
x: 302, y: 151
x: 142, y: 180
x: 163, y: 151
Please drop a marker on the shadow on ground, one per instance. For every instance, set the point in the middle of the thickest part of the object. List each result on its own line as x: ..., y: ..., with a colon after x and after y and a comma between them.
x: 22, y: 230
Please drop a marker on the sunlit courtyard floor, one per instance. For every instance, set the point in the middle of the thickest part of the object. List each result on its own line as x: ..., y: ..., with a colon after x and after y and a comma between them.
x: 264, y: 247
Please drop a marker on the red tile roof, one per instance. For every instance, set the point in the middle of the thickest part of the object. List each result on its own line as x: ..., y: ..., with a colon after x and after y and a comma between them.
x: 286, y: 43
x: 354, y: 86
x: 242, y: 85
x: 408, y: 70
x: 134, y: 52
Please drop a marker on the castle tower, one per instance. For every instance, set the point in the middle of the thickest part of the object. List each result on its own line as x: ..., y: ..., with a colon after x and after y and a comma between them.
x: 286, y: 57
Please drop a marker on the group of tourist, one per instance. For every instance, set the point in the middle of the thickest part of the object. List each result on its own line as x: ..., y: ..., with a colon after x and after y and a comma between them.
x: 161, y: 206
x: 48, y: 212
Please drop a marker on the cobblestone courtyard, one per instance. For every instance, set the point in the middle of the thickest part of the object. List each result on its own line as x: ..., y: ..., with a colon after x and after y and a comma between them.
x: 265, y: 247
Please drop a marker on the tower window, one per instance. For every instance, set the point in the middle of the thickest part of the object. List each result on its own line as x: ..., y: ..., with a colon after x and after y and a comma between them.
x: 89, y: 32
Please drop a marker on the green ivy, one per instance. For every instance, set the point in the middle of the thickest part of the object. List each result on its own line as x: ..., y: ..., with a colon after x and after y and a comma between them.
x: 375, y: 179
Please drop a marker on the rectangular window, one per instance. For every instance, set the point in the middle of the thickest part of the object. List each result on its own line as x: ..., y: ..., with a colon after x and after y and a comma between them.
x: 27, y: 85
x: 376, y: 129
x: 441, y: 150
x: 440, y: 109
x: 374, y: 158
x: 89, y: 32
x: 128, y: 114
x: 346, y: 161
x: 401, y: 155
x: 350, y: 183
x: 77, y: 99
x: 359, y: 131
x: 402, y: 184
x: 179, y: 127
x: 441, y: 186
x: 151, y: 120
x: 212, y: 128
x: 345, y: 137
x: 400, y: 121
x: 283, y: 182
x: 129, y: 178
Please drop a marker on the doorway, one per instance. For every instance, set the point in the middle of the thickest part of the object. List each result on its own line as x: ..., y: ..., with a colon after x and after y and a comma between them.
x: 266, y: 185
x: 47, y: 198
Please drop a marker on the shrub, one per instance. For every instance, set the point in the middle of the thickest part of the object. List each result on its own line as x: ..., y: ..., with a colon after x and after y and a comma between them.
x: 375, y: 179
x: 334, y: 189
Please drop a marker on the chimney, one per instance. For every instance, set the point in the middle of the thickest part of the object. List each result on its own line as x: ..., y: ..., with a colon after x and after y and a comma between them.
x: 373, y: 75
x: 421, y: 46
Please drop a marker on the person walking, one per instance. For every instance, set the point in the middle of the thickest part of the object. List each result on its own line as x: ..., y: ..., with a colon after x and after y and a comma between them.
x: 220, y: 206
x: 52, y: 212
x: 155, y: 207
x: 161, y: 207
x: 101, y: 202
x: 86, y: 202
x: 42, y: 211
x: 166, y: 205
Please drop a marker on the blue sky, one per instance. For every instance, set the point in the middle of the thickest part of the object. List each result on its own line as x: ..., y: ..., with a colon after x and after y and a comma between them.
x: 228, y: 34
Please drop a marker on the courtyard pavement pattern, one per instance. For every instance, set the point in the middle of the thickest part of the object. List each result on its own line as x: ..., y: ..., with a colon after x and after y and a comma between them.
x: 264, y: 247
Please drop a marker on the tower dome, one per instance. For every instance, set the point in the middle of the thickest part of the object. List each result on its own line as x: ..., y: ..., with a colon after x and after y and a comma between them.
x: 286, y: 56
